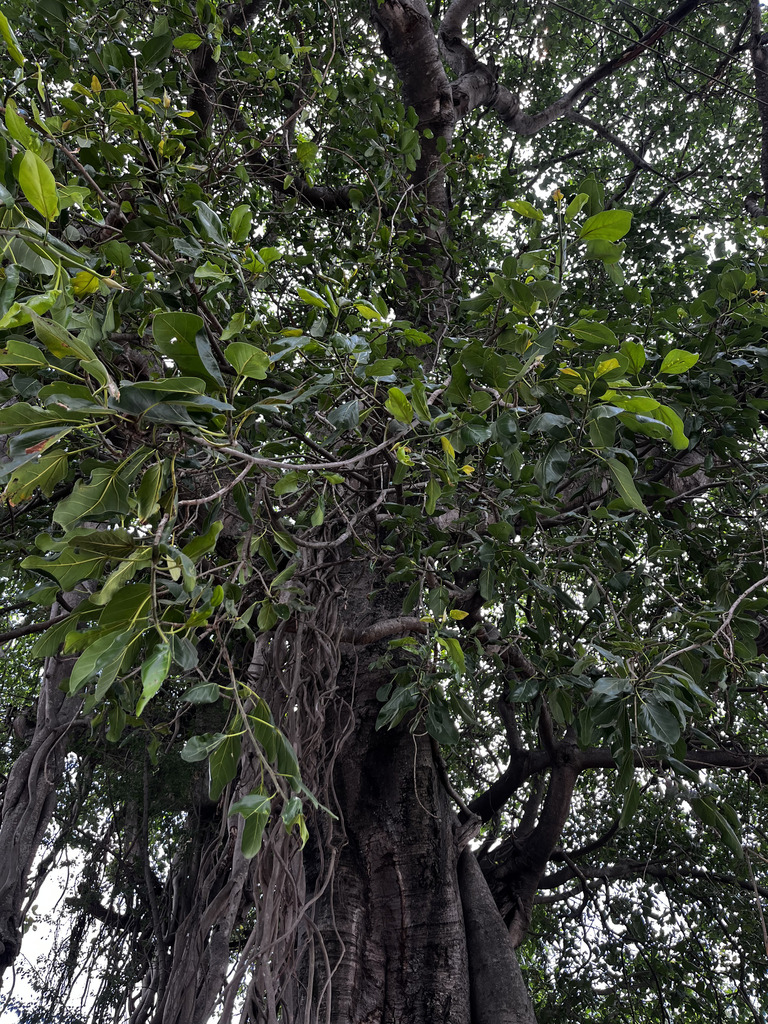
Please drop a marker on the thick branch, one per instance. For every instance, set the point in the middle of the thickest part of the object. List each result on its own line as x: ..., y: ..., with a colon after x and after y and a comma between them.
x: 526, y: 763
x: 382, y: 630
x: 631, y: 869
x: 204, y: 70
x: 755, y: 764
x: 759, y: 54
x: 477, y: 84
x: 30, y: 800
x: 31, y: 627
x: 497, y: 991
x: 323, y: 198
x: 514, y: 871
x: 408, y: 40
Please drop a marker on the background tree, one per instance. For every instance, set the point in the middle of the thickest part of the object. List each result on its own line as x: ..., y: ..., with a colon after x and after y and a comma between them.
x: 384, y: 395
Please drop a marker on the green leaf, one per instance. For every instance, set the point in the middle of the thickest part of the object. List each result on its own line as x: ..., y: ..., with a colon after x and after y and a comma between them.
x: 647, y: 425
x: 306, y: 152
x: 102, y: 658
x: 419, y: 399
x: 253, y: 832
x: 23, y: 416
x: 170, y: 327
x: 179, y: 560
x: 632, y: 403
x: 19, y: 353
x: 670, y: 417
x: 524, y: 209
x: 634, y: 353
x: 62, y: 344
x: 248, y: 360
x: 253, y: 803
x: 128, y: 608
x: 288, y: 484
x: 148, y: 494
x: 102, y: 499
x: 311, y: 298
x: 608, y: 252
x: 403, y: 700
x: 383, y: 368
x: 610, y: 225
x: 11, y: 41
x: 626, y: 485
x: 440, y: 725
x: 184, y: 653
x: 267, y: 617
x: 604, y: 366
x: 596, y: 333
x: 287, y: 761
x: 292, y: 816
x: 69, y: 568
x: 631, y: 803
x: 434, y: 490
x: 318, y: 516
x: 712, y: 817
x: 203, y: 693
x: 575, y: 206
x: 222, y: 764
x: 256, y: 809
x: 124, y: 572
x: 16, y: 125
x: 205, y: 544
x: 44, y: 472
x: 659, y: 722
x: 209, y: 221
x: 176, y: 336
x: 154, y: 670
x: 454, y: 651
x: 240, y: 221
x: 38, y: 185
x: 262, y: 725
x: 188, y: 41
x: 197, y: 748
x: 398, y: 405
x: 678, y: 360
x: 367, y: 311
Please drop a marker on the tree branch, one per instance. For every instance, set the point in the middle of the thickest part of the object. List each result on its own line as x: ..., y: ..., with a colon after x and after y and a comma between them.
x: 408, y: 40
x: 204, y: 70
x: 382, y: 630
x: 632, y: 155
x: 33, y: 627
x: 759, y: 56
x: 477, y: 84
x: 640, y: 868
x: 531, y: 762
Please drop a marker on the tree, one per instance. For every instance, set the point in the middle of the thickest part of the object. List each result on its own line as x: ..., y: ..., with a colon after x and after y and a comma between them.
x: 384, y: 400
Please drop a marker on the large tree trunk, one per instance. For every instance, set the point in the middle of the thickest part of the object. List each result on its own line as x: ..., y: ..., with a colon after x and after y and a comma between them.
x: 407, y: 930
x: 392, y: 923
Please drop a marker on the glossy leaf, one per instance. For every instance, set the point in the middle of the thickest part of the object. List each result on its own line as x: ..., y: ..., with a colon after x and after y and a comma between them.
x: 38, y: 185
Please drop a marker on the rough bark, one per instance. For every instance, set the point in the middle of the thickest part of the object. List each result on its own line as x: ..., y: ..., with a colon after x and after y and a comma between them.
x: 30, y: 798
x: 759, y: 55
x: 498, y: 994
x: 200, y: 954
x: 391, y: 921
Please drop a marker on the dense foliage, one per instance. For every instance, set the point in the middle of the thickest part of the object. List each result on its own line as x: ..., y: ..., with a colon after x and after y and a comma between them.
x: 383, y: 392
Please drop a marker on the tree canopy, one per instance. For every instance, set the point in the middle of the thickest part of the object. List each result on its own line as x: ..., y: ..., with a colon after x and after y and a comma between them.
x: 383, y: 403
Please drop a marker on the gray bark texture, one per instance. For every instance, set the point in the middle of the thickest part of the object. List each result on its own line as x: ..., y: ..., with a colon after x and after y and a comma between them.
x: 409, y: 928
x: 30, y: 798
x: 498, y: 994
